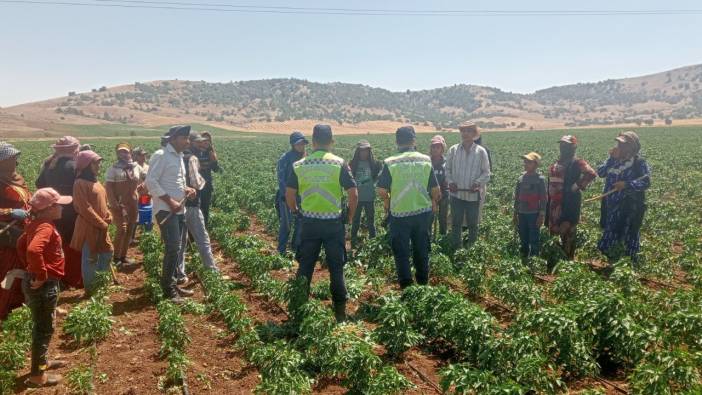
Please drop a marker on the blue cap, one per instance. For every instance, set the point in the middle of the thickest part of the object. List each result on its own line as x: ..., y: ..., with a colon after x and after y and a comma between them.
x: 322, y: 134
x: 296, y: 137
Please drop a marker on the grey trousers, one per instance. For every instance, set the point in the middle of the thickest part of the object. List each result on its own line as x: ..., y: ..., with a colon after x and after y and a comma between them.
x: 195, y: 224
x: 460, y: 210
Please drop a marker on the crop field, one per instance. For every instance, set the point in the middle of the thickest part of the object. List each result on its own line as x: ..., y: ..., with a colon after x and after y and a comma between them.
x: 485, y: 325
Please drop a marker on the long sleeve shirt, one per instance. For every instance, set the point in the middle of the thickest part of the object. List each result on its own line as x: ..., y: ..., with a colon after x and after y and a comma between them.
x: 634, y: 172
x: 90, y: 202
x: 466, y: 168
x: 530, y: 194
x: 166, y: 176
x: 40, y: 248
x: 284, y: 168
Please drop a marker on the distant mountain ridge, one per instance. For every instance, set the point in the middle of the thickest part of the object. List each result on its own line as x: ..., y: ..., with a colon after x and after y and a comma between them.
x: 666, y: 97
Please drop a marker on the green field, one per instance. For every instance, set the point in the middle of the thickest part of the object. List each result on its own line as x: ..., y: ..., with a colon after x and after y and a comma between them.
x: 495, y: 327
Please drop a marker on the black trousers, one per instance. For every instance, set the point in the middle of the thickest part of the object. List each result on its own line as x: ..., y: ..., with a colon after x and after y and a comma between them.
x: 206, y: 201
x: 42, y: 304
x: 330, y: 234
x: 410, y: 236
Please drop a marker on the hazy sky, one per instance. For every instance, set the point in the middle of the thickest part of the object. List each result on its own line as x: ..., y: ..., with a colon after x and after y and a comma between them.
x: 48, y: 50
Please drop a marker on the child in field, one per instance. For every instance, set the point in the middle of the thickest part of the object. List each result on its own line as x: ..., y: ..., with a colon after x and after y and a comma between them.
x: 530, y: 205
x: 40, y: 250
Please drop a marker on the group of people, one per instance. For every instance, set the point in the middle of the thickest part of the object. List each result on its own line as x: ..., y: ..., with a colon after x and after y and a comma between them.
x: 418, y: 190
x: 58, y: 237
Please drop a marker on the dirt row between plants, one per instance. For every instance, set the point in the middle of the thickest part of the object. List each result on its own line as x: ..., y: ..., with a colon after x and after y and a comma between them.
x: 128, y: 361
x: 418, y: 366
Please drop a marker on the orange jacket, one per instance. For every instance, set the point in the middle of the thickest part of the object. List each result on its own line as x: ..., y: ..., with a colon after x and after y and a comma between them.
x: 40, y: 250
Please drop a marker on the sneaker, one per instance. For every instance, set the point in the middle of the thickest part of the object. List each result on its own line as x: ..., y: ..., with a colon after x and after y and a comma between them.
x: 184, y: 292
x: 182, y: 281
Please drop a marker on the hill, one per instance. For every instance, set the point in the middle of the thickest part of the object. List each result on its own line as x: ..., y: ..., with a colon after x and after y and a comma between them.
x: 285, y: 104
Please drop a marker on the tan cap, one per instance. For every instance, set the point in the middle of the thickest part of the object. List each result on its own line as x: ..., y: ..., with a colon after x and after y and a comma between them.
x: 630, y: 137
x: 532, y: 156
x: 469, y: 126
x: 570, y: 139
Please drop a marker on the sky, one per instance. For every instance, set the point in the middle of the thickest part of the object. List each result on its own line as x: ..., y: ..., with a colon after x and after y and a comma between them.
x: 48, y: 50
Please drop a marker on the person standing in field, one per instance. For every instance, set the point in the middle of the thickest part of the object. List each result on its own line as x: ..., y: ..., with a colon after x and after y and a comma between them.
x: 207, y: 157
x: 140, y: 155
x: 91, y: 235
x: 320, y: 179
x: 410, y: 194
x: 40, y: 248
x: 194, y: 220
x: 530, y: 206
x: 622, y: 212
x: 467, y: 172
x: 167, y: 186
x: 567, y: 178
x: 59, y: 172
x: 284, y: 168
x: 438, y: 163
x: 121, y: 183
x: 364, y: 169
x: 14, y: 212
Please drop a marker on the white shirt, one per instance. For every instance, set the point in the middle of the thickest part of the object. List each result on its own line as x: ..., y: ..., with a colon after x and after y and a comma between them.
x: 467, y: 167
x: 115, y: 174
x: 166, y: 176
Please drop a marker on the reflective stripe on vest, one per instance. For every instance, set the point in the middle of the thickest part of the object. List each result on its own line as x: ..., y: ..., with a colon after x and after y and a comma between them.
x: 410, y: 172
x: 318, y: 182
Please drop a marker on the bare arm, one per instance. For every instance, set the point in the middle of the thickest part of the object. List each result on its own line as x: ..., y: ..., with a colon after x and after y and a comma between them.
x: 291, y: 199
x: 353, y: 202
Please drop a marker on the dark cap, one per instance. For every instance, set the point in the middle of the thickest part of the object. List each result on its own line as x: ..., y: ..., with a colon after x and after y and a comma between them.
x: 179, y: 130
x: 405, y: 135
x: 195, y: 137
x: 322, y: 134
x: 297, y: 137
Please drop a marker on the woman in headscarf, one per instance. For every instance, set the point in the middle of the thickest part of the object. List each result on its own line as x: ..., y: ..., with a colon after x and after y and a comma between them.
x: 14, y: 211
x: 628, y: 175
x: 365, y: 170
x: 90, y: 235
x: 121, y: 182
x: 59, y: 172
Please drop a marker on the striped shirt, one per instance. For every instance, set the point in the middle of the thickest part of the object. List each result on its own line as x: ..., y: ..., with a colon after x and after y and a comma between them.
x: 466, y: 168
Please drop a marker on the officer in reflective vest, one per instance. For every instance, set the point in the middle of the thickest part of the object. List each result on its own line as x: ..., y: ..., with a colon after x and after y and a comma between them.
x: 320, y: 180
x: 410, y: 192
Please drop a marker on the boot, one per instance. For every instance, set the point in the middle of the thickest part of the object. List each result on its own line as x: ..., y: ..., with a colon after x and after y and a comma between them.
x: 340, y: 312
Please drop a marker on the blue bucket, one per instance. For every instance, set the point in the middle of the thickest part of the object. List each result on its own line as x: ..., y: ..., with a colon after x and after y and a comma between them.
x: 145, y: 213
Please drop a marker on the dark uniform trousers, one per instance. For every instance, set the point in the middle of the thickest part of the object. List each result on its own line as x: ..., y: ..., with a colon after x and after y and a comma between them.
x: 411, y: 235
x: 330, y: 234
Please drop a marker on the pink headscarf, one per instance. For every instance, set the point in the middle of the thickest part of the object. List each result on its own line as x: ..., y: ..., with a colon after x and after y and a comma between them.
x: 65, y: 147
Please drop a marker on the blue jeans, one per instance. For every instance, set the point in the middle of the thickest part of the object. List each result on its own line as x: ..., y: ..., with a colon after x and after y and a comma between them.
x: 286, y: 222
x: 171, y: 234
x: 528, y: 234
x: 195, y: 224
x: 411, y: 235
x: 461, y: 209
x: 91, y: 263
x: 42, y: 304
x: 330, y: 234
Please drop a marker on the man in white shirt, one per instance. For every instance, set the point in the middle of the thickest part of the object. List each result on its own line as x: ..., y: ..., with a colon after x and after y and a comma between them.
x: 166, y: 184
x: 467, y: 172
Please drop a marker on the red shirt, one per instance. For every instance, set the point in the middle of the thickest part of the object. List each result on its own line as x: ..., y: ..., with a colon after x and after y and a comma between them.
x: 40, y: 250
